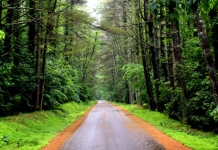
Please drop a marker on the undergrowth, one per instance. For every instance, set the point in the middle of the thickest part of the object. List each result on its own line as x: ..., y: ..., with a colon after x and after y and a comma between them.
x: 195, y: 139
x: 32, y: 131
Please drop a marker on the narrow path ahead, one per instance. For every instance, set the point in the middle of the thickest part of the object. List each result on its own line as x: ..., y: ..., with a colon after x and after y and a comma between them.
x: 108, y: 128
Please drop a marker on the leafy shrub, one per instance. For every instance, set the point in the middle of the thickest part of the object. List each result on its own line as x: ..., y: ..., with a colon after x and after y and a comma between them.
x: 173, y: 107
x: 199, y: 109
x: 61, y: 84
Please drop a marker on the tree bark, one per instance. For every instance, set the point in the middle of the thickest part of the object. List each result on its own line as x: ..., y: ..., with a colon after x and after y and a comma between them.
x: 207, y: 54
x: 17, y: 35
x: 8, y: 28
x: 177, y: 49
x: 148, y: 84
x: 213, y: 16
x: 87, y: 62
x: 0, y: 14
x: 171, y: 69
x: 47, y: 35
x: 32, y: 27
x: 148, y: 80
x: 154, y: 52
x: 141, y: 41
x: 163, y: 47
x: 38, y: 53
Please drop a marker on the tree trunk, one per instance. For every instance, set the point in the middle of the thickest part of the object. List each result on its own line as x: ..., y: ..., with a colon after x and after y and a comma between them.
x: 87, y: 62
x: 207, y: 54
x: 32, y: 27
x: 18, y: 37
x: 38, y: 53
x: 177, y: 49
x: 148, y: 83
x: 148, y: 80
x: 213, y: 16
x: 0, y: 14
x: 171, y: 63
x: 131, y: 98
x: 8, y: 28
x: 163, y: 47
x: 47, y: 35
x: 154, y: 52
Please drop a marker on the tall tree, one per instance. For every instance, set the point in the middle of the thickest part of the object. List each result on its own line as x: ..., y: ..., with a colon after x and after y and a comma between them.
x: 8, y: 28
x: 144, y: 55
x: 49, y: 28
x: 206, y: 51
x: 32, y: 26
x: 177, y: 48
x: 38, y: 54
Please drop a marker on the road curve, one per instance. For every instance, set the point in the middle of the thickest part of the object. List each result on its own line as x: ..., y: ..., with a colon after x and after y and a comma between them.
x: 107, y: 128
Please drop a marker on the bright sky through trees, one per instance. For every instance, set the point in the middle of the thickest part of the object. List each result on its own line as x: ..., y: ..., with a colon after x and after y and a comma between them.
x: 92, y: 6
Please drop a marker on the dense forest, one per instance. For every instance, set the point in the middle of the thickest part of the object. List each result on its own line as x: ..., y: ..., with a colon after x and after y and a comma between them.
x: 47, y: 51
x: 162, y: 54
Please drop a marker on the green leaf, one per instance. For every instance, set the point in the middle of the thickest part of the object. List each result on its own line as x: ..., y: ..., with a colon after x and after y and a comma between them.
x: 2, y: 35
x: 203, y: 15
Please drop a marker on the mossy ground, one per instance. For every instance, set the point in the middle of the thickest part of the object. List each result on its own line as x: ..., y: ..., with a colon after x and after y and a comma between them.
x: 34, y: 130
x: 195, y: 139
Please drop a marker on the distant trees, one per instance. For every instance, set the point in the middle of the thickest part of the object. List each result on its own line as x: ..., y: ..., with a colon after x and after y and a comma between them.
x: 162, y: 38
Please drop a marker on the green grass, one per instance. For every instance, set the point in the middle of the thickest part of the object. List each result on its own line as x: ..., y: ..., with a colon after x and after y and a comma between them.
x: 195, y: 139
x: 34, y: 130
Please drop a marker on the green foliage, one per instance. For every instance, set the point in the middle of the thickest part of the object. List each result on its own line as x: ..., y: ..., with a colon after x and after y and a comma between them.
x: 15, y: 131
x: 203, y: 6
x: 173, y: 107
x: 5, y: 72
x: 143, y: 97
x: 17, y: 85
x: 200, y: 102
x: 62, y: 84
x: 192, y: 138
x: 214, y: 113
x: 199, y: 108
x: 122, y: 63
x: 85, y: 93
x: 133, y: 73
x: 114, y: 30
x: 65, y: 36
x: 107, y: 96
x: 2, y: 35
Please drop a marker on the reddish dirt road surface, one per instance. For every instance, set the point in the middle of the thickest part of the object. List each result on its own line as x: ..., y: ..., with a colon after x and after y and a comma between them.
x: 109, y: 127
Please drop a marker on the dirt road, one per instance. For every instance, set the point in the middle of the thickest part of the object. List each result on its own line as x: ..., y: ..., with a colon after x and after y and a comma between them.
x: 108, y: 128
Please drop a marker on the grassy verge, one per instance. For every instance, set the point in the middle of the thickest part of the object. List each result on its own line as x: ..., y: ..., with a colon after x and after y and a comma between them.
x: 192, y: 138
x: 32, y: 131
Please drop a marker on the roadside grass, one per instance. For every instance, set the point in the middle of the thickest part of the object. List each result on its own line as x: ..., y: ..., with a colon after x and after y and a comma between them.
x: 32, y: 131
x: 195, y: 139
